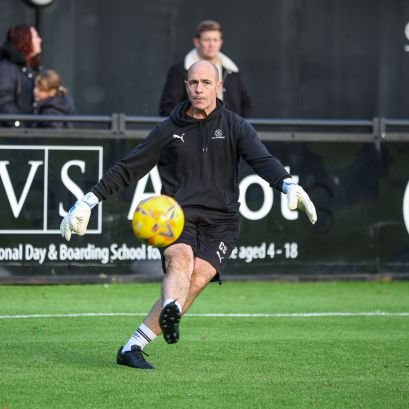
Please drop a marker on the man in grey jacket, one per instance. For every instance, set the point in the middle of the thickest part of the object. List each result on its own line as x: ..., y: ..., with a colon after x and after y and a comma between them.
x: 207, y: 42
x: 197, y: 151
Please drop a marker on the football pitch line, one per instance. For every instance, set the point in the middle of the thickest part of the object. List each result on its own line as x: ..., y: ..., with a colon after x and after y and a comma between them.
x: 216, y: 315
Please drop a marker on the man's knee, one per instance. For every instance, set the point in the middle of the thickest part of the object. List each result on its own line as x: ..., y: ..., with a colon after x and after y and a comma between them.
x: 179, y: 257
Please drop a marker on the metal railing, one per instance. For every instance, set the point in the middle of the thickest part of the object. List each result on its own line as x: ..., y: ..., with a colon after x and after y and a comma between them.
x: 120, y: 125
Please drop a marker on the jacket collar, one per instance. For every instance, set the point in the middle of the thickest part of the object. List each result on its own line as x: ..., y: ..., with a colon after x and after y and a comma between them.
x: 192, y: 56
x: 178, y: 114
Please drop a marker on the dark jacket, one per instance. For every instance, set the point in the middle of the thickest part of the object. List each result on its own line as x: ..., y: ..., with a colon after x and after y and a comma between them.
x: 198, y: 160
x: 235, y: 95
x: 59, y: 104
x: 16, y: 83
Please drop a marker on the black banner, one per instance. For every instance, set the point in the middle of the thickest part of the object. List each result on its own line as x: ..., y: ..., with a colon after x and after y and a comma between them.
x: 361, y: 192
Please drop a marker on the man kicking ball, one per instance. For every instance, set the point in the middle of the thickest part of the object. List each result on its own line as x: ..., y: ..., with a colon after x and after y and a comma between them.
x: 200, y: 171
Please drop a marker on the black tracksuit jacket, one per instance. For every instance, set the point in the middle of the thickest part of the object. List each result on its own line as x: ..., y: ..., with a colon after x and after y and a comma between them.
x: 198, y: 160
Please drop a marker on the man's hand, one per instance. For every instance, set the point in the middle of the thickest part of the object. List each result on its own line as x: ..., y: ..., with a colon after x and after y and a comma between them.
x: 298, y: 199
x: 76, y: 220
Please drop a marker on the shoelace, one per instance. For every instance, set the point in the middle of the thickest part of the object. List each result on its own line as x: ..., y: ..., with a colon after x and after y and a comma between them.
x: 139, y: 352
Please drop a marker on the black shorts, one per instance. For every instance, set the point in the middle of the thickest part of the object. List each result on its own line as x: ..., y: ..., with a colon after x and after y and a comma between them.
x: 212, y: 235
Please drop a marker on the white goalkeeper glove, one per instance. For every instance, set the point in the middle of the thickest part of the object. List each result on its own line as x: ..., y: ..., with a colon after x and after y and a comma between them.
x: 76, y: 220
x: 298, y: 199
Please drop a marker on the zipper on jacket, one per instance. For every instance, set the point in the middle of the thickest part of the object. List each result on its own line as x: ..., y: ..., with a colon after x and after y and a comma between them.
x: 205, y: 135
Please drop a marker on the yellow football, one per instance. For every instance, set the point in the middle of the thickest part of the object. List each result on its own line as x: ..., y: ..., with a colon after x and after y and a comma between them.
x: 158, y: 221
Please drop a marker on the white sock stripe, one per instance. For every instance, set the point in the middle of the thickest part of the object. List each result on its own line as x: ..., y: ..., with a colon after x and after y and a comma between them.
x: 143, y: 335
x: 147, y: 331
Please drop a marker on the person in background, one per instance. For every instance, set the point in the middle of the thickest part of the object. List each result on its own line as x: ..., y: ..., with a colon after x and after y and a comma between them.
x: 51, y: 98
x: 19, y: 65
x: 208, y: 42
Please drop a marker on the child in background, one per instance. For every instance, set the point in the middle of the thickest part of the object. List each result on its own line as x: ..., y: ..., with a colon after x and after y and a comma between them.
x: 52, y: 99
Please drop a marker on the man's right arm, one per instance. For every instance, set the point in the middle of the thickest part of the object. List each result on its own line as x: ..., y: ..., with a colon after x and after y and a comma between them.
x: 135, y: 165
x: 131, y: 168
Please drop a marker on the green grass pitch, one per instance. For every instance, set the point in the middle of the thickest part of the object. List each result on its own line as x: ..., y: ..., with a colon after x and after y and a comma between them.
x: 322, y: 361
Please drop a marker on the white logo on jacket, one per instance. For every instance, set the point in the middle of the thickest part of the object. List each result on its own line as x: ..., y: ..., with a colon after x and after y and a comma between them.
x: 218, y: 134
x: 179, y: 137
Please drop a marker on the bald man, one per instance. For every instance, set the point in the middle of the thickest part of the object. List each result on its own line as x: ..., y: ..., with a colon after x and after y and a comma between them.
x: 197, y: 151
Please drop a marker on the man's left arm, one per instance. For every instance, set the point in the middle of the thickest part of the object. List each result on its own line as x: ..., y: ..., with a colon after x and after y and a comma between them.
x: 271, y: 170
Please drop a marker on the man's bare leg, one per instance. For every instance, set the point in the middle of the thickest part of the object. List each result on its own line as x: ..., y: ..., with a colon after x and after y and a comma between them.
x: 189, y: 287
x: 152, y: 319
x: 179, y: 263
x: 170, y: 315
x: 203, y: 272
x: 175, y: 286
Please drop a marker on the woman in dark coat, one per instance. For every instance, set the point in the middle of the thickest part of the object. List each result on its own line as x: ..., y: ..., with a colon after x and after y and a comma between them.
x: 52, y: 99
x: 19, y: 64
